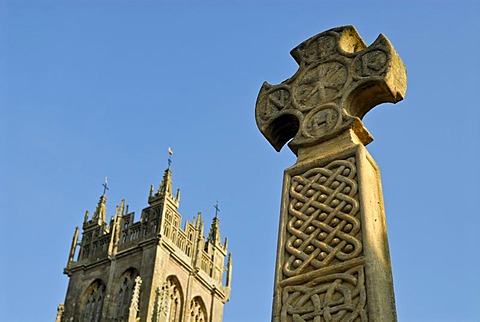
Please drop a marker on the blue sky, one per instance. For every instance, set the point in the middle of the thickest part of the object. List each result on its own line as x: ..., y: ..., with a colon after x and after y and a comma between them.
x: 90, y: 89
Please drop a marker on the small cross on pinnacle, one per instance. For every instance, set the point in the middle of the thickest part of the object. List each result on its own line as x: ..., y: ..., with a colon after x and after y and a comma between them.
x: 105, y: 185
x: 170, y: 153
x: 217, y: 209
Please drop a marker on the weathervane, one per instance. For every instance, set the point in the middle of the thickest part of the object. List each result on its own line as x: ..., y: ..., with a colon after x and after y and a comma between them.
x: 105, y: 185
x: 170, y: 153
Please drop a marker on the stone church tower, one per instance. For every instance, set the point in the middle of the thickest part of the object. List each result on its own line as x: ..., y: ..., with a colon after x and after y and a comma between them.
x: 146, y: 270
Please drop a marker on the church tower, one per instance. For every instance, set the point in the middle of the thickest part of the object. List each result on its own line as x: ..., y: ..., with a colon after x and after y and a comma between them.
x: 147, y: 270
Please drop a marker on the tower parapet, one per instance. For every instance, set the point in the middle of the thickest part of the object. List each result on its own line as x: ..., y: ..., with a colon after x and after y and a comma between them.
x: 157, y: 249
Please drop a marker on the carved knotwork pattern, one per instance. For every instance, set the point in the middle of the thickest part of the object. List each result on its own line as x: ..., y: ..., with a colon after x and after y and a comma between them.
x: 335, y: 297
x: 322, y: 227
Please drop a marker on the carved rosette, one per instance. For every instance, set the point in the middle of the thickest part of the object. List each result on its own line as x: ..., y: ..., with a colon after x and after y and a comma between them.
x: 338, y: 81
x: 323, y: 271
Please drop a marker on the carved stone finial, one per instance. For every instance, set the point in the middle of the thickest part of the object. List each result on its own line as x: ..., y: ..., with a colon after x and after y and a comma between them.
x: 134, y: 304
x: 338, y: 81
x: 72, y: 248
x: 100, y: 213
x: 60, y: 310
x: 166, y: 184
x: 214, y: 234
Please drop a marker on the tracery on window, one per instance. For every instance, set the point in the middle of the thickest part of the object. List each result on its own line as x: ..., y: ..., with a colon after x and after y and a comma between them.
x: 171, y: 301
x: 198, y: 312
x: 93, y: 300
x: 124, y: 294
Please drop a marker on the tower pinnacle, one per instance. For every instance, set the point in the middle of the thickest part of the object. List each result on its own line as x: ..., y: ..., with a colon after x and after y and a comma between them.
x: 165, y: 189
x: 100, y: 213
x: 214, y: 234
x: 166, y: 185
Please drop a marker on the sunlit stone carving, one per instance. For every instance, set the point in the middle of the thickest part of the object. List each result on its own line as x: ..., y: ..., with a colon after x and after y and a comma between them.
x: 333, y: 260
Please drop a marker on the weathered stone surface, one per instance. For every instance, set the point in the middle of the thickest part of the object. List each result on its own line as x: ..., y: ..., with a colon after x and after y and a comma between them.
x: 333, y: 260
x: 338, y: 81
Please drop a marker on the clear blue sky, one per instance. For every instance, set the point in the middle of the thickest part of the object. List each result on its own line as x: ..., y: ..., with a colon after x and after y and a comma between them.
x: 96, y: 88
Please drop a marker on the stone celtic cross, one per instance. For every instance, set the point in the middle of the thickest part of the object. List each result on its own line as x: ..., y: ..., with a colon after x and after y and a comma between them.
x: 333, y: 260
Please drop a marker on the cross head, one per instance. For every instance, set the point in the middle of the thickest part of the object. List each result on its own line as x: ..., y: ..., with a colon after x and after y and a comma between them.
x: 338, y: 81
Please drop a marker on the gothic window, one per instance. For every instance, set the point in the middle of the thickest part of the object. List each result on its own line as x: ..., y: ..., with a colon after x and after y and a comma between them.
x: 171, y: 301
x: 93, y: 302
x: 86, y: 250
x: 198, y: 312
x: 124, y: 295
x: 167, y: 230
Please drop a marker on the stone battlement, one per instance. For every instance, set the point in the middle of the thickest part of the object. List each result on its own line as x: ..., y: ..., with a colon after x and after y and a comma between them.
x: 160, y: 223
